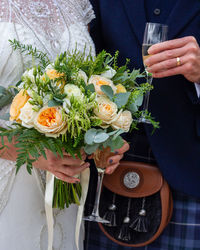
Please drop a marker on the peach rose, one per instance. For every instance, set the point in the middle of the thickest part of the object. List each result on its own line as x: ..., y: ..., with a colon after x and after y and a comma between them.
x: 18, y: 102
x: 99, y: 81
x: 106, y: 111
x: 123, y: 121
x: 49, y: 121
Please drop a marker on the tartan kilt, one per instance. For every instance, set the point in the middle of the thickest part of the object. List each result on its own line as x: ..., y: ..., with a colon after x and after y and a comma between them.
x: 182, y: 233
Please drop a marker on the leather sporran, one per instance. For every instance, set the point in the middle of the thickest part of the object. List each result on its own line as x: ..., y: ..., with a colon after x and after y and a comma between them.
x: 138, y: 203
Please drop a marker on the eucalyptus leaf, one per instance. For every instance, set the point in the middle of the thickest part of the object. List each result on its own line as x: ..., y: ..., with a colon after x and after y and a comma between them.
x: 121, y: 99
x: 108, y: 91
x: 132, y: 107
x: 90, y: 135
x: 101, y: 137
x: 116, y: 144
x: 90, y: 87
x: 5, y: 97
x: 90, y: 149
x: 53, y: 103
x: 139, y: 100
x: 5, y: 117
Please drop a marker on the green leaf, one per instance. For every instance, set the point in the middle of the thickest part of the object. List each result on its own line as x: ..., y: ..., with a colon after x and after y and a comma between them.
x: 90, y: 135
x: 53, y: 103
x: 132, y: 107
x: 90, y: 87
x: 90, y: 149
x: 101, y: 137
x: 121, y: 99
x: 139, y: 100
x: 108, y: 91
x: 5, y: 117
x: 116, y: 144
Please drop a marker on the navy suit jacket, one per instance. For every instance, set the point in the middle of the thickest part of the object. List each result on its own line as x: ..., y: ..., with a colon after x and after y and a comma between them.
x: 119, y: 25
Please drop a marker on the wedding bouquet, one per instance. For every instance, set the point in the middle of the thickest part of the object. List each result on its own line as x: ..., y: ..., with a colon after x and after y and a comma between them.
x: 75, y: 102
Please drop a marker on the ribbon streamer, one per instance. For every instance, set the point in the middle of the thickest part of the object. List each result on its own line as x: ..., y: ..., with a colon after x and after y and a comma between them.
x: 48, y: 207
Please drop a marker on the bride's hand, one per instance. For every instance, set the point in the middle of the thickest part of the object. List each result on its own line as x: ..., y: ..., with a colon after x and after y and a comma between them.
x: 63, y: 168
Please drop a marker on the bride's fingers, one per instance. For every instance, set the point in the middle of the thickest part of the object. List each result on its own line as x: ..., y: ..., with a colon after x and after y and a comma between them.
x: 66, y: 178
x: 73, y: 170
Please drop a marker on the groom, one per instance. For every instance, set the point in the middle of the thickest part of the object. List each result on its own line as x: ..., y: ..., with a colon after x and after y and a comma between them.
x: 174, y: 101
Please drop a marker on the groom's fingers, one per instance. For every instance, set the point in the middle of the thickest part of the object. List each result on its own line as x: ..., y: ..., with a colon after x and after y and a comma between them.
x: 123, y: 149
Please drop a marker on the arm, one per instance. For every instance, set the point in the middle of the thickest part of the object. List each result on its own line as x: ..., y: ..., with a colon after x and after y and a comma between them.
x: 63, y: 168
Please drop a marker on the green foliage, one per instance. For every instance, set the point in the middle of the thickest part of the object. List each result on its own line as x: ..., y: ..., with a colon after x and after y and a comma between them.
x: 29, y: 50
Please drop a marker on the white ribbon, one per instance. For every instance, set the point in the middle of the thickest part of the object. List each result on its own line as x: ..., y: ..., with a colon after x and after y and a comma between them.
x: 84, y: 180
x: 48, y: 207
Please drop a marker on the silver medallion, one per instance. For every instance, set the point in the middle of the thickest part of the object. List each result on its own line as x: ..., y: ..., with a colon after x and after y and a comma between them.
x: 131, y: 179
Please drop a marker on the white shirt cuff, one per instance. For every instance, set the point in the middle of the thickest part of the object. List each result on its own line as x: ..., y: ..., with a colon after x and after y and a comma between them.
x: 197, y: 86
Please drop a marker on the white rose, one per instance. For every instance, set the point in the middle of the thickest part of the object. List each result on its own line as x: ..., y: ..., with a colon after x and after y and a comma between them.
x: 49, y: 120
x: 27, y: 115
x: 106, y: 110
x: 109, y: 73
x: 123, y: 121
x: 73, y: 90
x: 99, y: 81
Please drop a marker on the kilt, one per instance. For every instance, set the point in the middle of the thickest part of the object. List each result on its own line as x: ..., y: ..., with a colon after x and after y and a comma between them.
x: 182, y: 233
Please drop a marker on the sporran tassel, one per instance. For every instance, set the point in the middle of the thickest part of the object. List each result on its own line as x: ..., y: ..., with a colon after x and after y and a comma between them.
x: 140, y: 223
x: 125, y: 232
x: 110, y: 215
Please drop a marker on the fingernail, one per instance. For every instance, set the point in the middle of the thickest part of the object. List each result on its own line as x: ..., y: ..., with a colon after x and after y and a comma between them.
x: 116, y: 152
x: 110, y: 161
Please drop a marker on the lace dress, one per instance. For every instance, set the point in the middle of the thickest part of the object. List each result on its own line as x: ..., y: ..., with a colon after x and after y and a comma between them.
x: 52, y: 26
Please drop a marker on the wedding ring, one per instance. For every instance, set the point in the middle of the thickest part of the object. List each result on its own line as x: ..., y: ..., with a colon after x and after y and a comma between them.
x: 178, y: 61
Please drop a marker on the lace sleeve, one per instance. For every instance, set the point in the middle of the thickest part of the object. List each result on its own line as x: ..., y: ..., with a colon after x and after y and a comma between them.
x: 88, y: 12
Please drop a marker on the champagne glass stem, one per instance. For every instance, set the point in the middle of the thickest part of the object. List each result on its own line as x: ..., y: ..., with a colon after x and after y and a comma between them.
x: 95, y: 211
x: 146, y: 98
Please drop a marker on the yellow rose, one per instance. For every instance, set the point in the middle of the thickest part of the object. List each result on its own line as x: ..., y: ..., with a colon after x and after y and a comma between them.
x: 18, y: 102
x: 120, y: 88
x: 123, y: 121
x: 50, y: 122
x: 99, y: 81
x: 106, y: 111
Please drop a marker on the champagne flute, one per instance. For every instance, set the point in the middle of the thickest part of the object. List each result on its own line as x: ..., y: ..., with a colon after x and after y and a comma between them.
x: 100, y: 159
x: 154, y: 33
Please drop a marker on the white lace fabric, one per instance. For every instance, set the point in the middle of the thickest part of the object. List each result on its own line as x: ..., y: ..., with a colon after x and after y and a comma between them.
x: 52, y: 26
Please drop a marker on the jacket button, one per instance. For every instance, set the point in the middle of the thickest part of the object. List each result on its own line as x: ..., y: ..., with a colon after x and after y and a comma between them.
x: 157, y: 12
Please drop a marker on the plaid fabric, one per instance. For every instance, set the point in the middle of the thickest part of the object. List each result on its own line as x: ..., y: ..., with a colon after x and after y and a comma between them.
x: 182, y: 233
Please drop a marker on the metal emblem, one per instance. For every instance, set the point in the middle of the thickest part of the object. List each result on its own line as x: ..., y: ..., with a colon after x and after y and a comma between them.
x: 131, y: 179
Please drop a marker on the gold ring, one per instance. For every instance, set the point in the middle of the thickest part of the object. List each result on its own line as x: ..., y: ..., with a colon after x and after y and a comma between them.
x: 178, y: 61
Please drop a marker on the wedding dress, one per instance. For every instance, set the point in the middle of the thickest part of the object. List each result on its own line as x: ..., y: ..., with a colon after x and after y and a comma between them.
x: 52, y: 26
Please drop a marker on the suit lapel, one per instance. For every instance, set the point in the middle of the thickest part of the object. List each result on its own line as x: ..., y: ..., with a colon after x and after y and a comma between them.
x: 136, y: 15
x: 181, y: 15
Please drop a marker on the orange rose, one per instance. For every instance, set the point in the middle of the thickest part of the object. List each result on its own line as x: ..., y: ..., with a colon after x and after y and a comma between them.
x: 53, y: 75
x: 18, y: 102
x: 50, y: 122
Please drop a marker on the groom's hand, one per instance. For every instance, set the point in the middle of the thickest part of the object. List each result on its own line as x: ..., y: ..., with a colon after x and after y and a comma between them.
x: 174, y: 57
x: 63, y: 168
x: 113, y: 161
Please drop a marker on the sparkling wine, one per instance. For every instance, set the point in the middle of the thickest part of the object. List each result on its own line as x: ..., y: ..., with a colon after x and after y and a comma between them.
x: 145, y: 54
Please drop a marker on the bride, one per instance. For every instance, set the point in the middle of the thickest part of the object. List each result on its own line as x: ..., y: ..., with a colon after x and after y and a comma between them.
x: 52, y: 26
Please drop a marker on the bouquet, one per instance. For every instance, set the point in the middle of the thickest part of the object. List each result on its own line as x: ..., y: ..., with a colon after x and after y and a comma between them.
x: 75, y: 102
